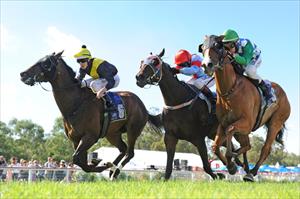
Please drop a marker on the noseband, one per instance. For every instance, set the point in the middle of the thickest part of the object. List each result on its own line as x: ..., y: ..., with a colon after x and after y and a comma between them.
x: 221, y: 53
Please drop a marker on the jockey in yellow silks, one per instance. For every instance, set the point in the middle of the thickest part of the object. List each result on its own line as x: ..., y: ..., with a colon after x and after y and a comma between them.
x: 103, y: 74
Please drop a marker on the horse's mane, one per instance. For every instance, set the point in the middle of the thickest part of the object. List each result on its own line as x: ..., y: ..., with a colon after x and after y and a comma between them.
x: 69, y: 69
x: 193, y: 90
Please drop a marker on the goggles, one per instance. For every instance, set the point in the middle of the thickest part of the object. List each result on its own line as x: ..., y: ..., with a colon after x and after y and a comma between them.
x: 82, y: 60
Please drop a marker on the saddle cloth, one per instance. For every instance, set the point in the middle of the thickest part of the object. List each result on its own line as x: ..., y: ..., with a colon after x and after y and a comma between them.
x: 120, y: 112
x: 264, y: 106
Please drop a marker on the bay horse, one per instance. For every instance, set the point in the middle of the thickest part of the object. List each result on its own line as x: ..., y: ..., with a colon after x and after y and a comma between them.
x: 83, y: 114
x: 238, y: 104
x: 185, y: 117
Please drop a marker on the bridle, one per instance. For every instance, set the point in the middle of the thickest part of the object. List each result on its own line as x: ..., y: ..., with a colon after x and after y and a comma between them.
x: 157, y: 72
x: 50, y: 71
x: 221, y: 52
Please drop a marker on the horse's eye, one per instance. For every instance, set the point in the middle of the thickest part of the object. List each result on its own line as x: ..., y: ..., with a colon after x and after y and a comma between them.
x: 217, y: 45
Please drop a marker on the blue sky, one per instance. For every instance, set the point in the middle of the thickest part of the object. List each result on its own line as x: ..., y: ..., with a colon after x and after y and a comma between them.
x: 125, y: 32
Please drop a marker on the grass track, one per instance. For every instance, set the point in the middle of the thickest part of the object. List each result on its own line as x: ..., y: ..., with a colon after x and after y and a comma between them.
x: 150, y: 189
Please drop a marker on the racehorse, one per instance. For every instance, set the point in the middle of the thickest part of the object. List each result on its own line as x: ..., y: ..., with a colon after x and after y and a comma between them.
x: 239, y: 103
x: 185, y: 117
x: 83, y: 114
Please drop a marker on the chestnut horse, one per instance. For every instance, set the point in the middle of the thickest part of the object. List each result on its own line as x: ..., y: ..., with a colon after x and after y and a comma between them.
x: 83, y: 114
x: 238, y: 104
x: 185, y: 117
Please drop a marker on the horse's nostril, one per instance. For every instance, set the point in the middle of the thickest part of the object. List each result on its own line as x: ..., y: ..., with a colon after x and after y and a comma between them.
x: 210, y: 65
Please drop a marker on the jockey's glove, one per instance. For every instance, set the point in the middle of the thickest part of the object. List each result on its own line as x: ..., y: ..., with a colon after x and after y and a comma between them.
x: 83, y: 84
x: 175, y: 71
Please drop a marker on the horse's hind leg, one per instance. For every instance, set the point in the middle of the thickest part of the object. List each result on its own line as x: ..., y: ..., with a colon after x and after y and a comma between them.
x: 170, y: 142
x: 117, y: 141
x: 131, y: 137
x: 273, y: 130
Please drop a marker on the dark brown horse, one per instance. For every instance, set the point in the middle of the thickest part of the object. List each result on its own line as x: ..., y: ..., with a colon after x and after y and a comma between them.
x: 185, y: 117
x: 83, y: 113
x: 239, y: 102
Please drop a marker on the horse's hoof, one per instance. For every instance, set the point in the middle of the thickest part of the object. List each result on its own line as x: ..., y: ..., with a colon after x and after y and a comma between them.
x: 253, y: 172
x: 220, y: 176
x: 248, y: 177
x: 117, y: 172
x: 114, y: 174
x: 109, y: 165
x: 232, y: 168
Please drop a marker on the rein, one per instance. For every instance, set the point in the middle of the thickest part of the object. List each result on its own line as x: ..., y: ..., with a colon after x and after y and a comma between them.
x: 220, y: 66
x: 52, y: 69
x: 58, y: 89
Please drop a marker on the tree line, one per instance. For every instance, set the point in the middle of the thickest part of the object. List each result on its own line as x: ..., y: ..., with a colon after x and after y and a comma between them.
x: 27, y: 140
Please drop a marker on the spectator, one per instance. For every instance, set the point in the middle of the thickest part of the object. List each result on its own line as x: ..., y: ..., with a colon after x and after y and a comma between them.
x: 50, y: 164
x: 71, y: 172
x: 60, y: 174
x: 23, y: 175
x: 34, y: 173
x: 12, y: 174
x: 2, y: 171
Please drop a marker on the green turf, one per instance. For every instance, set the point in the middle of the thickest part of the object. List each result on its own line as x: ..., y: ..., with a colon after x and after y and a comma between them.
x: 150, y: 189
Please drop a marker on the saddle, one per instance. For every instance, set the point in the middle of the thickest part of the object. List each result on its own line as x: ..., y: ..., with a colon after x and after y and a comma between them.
x: 263, y: 102
x: 113, y: 115
x: 205, y: 94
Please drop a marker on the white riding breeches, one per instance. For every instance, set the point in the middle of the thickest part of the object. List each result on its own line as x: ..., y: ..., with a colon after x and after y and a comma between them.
x: 199, y: 83
x: 251, y: 68
x: 98, y: 84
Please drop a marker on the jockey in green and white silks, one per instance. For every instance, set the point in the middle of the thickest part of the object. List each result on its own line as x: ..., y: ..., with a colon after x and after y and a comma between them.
x: 248, y: 55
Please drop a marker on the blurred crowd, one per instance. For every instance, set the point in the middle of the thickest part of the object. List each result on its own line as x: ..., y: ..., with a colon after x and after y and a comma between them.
x: 50, y: 170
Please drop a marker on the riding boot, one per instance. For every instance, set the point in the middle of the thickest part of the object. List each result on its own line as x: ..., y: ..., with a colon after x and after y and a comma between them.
x: 109, y: 104
x: 211, y: 97
x: 266, y: 89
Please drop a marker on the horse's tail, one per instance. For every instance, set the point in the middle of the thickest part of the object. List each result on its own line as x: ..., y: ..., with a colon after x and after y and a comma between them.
x: 156, y: 122
x: 279, y: 135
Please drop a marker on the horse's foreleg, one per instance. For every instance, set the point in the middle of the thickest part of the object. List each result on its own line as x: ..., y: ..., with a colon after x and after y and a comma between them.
x: 219, y: 141
x: 201, y: 146
x: 240, y: 126
x: 170, y: 143
x: 80, y: 155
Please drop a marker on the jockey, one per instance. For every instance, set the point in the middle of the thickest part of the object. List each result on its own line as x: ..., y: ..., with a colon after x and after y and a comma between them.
x: 248, y: 56
x: 103, y: 75
x: 190, y: 65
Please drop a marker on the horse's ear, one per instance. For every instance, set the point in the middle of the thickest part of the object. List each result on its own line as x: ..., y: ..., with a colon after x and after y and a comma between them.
x: 58, y: 55
x: 200, y: 50
x: 220, y: 38
x: 161, y: 54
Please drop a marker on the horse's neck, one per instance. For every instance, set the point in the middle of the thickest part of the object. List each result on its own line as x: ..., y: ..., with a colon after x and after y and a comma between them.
x: 66, y: 94
x: 172, y: 90
x: 225, y: 79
